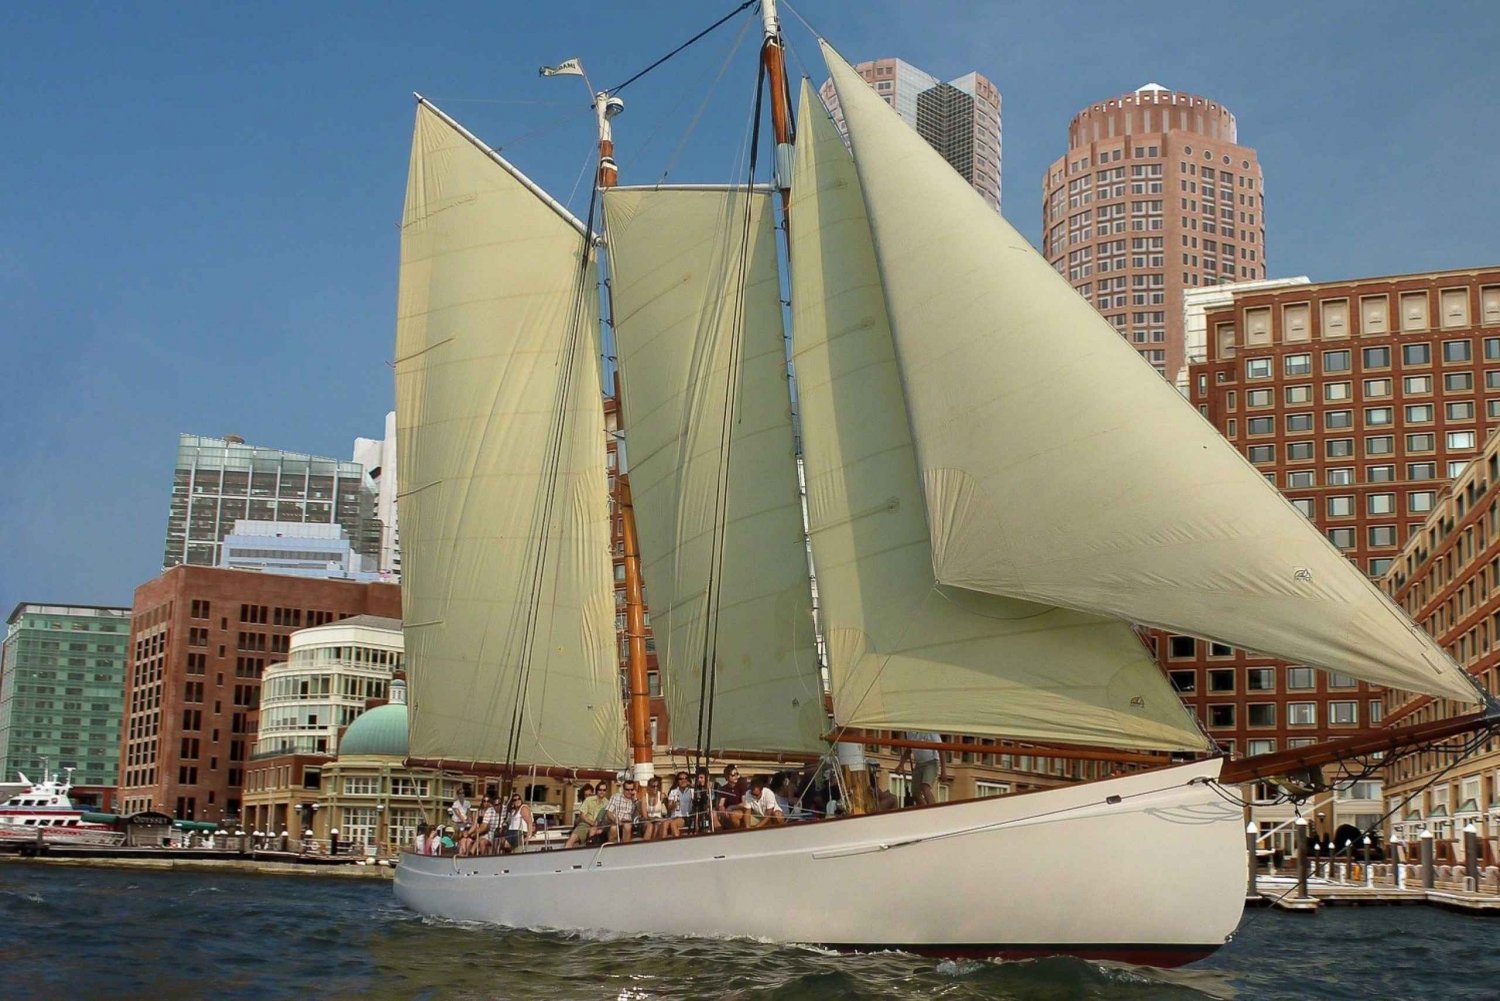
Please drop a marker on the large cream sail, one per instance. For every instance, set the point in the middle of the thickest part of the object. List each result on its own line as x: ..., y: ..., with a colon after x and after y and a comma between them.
x: 503, y: 489
x: 904, y: 650
x: 1059, y: 468
x: 693, y: 274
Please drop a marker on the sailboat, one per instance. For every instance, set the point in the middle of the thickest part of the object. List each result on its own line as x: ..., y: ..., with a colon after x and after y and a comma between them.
x: 997, y: 488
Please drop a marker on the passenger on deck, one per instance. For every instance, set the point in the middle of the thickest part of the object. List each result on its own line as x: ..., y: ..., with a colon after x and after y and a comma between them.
x: 653, y: 810
x: 447, y: 846
x: 585, y: 814
x: 680, y: 806
x: 620, y: 813
x: 419, y: 843
x: 758, y: 807
x: 927, y: 767
x: 458, y: 813
x: 519, y: 824
x: 728, y: 797
x: 479, y: 839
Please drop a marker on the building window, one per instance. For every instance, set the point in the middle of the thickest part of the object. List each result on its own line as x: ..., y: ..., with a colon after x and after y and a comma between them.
x: 1302, y: 713
x: 1375, y: 388
x: 1299, y: 450
x: 1343, y: 713
x: 1420, y: 501
x: 1337, y: 420
x: 1336, y: 448
x: 1301, y: 422
x: 1341, y: 537
x: 1262, y: 453
x: 1257, y: 368
x: 1376, y: 712
x: 1261, y: 714
x: 1424, y: 442
x: 1221, y: 679
x: 1260, y: 425
x: 1221, y: 717
x: 1417, y: 385
x: 1334, y: 391
x: 1341, y: 476
x: 1382, y: 535
x: 1416, y: 354
x: 1184, y: 681
x: 1297, y: 364
x: 1341, y: 506
x: 1304, y: 505
x: 1300, y: 678
x: 1254, y: 747
x: 1419, y: 413
x: 1377, y: 416
x: 1259, y: 398
x: 1459, y: 411
x: 1421, y: 470
x: 1456, y: 351
x: 1260, y: 679
x: 1182, y: 647
x: 1299, y: 394
x: 1380, y: 504
x: 1380, y: 445
x: 1335, y: 361
x: 1301, y: 478
x: 1454, y: 382
x: 1380, y: 474
x: 1377, y: 357
x: 1379, y: 566
x: 1460, y: 439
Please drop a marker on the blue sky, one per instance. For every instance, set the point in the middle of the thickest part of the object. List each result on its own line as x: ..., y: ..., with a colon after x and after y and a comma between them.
x: 198, y: 221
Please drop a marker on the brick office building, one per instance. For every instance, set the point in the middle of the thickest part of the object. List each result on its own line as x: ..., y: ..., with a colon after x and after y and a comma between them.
x: 200, y: 638
x: 1360, y: 400
x: 1155, y: 195
x: 1447, y: 578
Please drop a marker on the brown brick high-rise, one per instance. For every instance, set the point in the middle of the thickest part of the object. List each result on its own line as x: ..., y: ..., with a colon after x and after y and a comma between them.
x: 200, y: 639
x: 1155, y: 195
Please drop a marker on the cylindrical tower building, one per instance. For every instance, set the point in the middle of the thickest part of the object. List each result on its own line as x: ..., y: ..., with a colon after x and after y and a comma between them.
x: 1155, y: 195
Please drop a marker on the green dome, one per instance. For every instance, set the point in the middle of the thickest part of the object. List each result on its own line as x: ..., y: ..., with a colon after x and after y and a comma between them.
x: 381, y: 732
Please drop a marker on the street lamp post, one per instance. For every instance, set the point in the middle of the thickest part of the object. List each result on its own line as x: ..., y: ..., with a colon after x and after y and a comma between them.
x: 379, y: 828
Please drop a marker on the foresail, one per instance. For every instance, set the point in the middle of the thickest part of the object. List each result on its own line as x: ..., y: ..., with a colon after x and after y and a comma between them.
x: 1059, y: 468
x: 692, y: 271
x: 905, y: 651
x: 503, y: 489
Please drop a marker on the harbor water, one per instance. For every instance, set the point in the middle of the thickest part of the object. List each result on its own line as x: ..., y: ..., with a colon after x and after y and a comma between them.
x: 87, y: 933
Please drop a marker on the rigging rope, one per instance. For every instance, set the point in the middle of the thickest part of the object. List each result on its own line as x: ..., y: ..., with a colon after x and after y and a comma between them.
x: 744, y: 6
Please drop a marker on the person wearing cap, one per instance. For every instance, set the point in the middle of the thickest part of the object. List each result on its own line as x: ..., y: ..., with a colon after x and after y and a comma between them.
x: 447, y: 845
x: 759, y: 807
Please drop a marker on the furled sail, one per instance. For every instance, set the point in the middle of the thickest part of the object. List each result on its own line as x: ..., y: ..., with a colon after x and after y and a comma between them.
x: 507, y: 593
x: 905, y: 651
x: 1093, y: 484
x: 694, y: 282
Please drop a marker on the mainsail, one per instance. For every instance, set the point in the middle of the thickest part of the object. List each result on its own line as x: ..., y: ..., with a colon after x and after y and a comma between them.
x: 1092, y: 484
x: 904, y: 650
x: 697, y: 319
x: 507, y: 594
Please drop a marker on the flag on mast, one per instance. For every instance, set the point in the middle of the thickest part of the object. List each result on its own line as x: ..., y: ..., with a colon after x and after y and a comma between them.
x: 568, y: 67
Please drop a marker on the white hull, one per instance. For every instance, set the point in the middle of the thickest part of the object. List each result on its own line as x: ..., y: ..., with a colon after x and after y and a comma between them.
x: 101, y: 837
x: 1156, y: 876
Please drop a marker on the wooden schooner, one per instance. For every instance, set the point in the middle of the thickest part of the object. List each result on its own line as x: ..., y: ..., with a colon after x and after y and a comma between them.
x: 997, y: 487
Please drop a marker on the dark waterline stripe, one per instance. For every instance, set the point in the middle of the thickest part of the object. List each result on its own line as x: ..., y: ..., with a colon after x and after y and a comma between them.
x: 1136, y: 954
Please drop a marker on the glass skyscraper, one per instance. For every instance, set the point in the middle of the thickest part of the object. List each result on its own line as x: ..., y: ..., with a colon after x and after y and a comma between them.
x: 62, y: 683
x: 219, y: 481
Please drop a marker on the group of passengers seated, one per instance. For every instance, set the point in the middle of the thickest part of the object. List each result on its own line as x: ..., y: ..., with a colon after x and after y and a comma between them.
x: 495, y: 827
x: 690, y: 804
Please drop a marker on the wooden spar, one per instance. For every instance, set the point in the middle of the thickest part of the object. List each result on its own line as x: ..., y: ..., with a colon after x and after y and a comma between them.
x: 1032, y: 750
x: 484, y: 769
x: 1314, y: 755
x: 638, y: 704
x: 768, y: 757
x: 773, y: 57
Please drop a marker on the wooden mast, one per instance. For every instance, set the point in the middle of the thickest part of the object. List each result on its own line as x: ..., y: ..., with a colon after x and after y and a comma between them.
x: 638, y: 704
x: 855, y: 776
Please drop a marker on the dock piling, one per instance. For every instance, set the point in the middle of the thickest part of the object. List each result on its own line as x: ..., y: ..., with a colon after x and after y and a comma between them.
x: 1471, y: 857
x: 1429, y: 876
x: 1252, y: 838
x: 1301, y: 827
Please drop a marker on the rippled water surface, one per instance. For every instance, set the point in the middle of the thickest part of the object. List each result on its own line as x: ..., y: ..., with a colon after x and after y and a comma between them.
x: 95, y: 933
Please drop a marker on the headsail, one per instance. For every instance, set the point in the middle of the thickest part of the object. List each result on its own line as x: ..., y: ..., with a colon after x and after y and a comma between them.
x: 693, y: 271
x: 503, y: 492
x: 905, y: 651
x: 1095, y: 487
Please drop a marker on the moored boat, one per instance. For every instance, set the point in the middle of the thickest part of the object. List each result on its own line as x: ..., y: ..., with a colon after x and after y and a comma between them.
x: 44, y: 814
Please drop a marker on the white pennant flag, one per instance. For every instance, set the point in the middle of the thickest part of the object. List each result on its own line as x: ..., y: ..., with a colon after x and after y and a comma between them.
x: 570, y: 67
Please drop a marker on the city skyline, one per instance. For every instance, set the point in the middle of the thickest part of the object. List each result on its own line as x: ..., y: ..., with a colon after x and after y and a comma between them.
x: 226, y: 262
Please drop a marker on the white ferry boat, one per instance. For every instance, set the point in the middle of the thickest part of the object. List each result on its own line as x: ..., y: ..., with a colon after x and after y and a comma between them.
x: 45, y: 814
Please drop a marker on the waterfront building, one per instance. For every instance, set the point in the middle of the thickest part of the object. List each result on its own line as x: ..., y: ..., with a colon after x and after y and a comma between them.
x: 62, y: 677
x: 1360, y: 399
x: 331, y: 673
x: 220, y: 481
x: 378, y: 457
x: 960, y: 118
x: 1155, y: 195
x: 1447, y: 578
x: 200, y: 641
x: 296, y: 550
